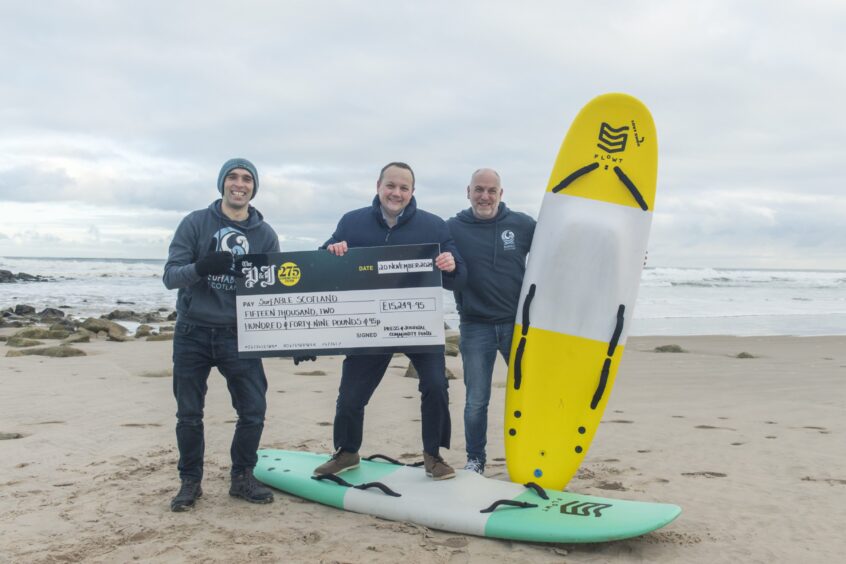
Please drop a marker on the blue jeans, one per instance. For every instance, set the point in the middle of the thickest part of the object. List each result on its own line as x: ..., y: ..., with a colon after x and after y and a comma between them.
x: 196, y: 350
x: 361, y: 375
x: 479, y: 345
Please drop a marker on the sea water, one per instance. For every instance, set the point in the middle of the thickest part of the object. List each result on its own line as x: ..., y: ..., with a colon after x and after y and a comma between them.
x: 671, y: 301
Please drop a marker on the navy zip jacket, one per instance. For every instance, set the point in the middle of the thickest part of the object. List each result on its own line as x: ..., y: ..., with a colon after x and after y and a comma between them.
x: 365, y: 227
x: 495, y: 251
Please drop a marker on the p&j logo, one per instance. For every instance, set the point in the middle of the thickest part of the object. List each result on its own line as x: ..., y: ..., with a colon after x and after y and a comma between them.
x: 612, y: 140
x: 289, y: 274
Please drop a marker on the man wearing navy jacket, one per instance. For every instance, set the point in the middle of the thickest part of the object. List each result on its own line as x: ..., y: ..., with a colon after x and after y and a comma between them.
x: 494, y: 241
x: 394, y: 219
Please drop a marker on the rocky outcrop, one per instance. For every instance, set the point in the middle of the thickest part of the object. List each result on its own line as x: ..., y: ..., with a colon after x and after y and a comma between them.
x: 129, y: 315
x: 6, y: 276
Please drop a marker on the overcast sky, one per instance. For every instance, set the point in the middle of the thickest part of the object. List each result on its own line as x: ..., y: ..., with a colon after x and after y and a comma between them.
x: 116, y: 116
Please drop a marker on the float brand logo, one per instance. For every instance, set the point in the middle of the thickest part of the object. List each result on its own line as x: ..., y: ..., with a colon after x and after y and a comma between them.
x: 289, y: 274
x: 611, y: 139
x: 584, y: 508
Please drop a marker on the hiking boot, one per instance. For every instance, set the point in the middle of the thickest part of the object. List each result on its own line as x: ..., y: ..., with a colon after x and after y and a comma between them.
x: 341, y: 461
x: 436, y: 468
x: 475, y: 465
x: 248, y: 488
x: 189, y: 492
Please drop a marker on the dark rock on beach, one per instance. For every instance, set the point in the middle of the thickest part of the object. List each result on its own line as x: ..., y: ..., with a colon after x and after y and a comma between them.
x: 114, y: 331
x: 129, y: 315
x: 6, y: 276
x: 143, y: 331
x: 82, y: 336
x: 22, y: 342
x: 669, y: 349
x: 161, y: 337
x: 24, y: 309
x: 49, y: 314
x: 56, y: 352
x: 64, y: 325
x: 42, y: 333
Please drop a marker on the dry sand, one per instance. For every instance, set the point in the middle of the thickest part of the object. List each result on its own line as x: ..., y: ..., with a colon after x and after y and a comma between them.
x: 752, y: 449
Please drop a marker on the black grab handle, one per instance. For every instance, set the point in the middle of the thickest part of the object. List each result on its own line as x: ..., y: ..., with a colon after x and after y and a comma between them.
x: 509, y: 502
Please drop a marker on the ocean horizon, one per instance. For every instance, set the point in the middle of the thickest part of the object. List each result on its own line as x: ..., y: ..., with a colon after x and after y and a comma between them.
x: 671, y: 300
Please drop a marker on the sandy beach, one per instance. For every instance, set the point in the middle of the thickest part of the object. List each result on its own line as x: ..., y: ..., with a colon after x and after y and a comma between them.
x: 752, y: 449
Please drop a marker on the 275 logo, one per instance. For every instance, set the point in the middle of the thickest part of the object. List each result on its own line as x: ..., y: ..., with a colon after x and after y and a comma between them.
x: 289, y: 273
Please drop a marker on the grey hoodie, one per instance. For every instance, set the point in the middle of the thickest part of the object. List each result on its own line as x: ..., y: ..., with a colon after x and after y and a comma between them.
x: 495, y: 252
x: 210, y: 301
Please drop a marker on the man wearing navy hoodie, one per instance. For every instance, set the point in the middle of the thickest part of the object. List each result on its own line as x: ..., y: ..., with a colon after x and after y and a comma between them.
x: 494, y: 242
x: 201, y: 263
x: 394, y: 219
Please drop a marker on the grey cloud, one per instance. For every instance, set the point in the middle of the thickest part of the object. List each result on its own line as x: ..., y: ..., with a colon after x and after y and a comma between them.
x: 321, y: 98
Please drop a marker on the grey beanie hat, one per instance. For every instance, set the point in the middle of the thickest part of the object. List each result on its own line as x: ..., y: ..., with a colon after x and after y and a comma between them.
x: 231, y: 164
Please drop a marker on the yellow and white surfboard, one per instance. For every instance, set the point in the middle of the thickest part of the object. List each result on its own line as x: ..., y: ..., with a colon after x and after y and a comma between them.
x: 580, y: 289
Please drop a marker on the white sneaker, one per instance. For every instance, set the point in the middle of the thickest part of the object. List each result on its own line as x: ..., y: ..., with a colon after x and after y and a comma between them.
x: 476, y: 466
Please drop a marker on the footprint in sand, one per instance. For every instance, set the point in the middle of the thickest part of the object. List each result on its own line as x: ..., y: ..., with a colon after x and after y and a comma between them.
x: 829, y: 481
x: 705, y: 474
x: 324, y: 423
x: 10, y: 436
x: 452, y: 542
x: 736, y: 444
x: 644, y: 451
x: 713, y: 427
x: 408, y: 397
x: 678, y: 416
x: 618, y: 421
x: 771, y: 437
x: 141, y: 425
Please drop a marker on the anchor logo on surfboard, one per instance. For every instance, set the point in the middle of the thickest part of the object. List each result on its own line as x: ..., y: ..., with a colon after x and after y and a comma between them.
x: 612, y: 139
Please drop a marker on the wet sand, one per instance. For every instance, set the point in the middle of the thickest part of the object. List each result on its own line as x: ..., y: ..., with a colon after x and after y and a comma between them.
x: 750, y: 448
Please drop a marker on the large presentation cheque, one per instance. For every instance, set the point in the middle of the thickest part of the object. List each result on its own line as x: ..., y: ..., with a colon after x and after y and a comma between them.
x: 371, y: 300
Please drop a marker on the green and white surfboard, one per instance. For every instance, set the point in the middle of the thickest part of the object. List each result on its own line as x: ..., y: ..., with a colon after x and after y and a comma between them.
x: 469, y: 504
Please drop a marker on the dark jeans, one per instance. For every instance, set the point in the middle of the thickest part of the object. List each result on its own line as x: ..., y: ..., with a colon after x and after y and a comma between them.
x: 196, y: 350
x: 361, y: 375
x: 479, y: 344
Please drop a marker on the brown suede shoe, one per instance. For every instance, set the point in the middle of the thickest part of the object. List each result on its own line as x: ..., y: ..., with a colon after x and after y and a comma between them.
x: 436, y: 468
x: 341, y: 461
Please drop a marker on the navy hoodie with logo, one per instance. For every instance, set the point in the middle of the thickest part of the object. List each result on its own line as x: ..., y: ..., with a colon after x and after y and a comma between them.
x: 495, y: 252
x: 365, y: 227
x: 210, y: 301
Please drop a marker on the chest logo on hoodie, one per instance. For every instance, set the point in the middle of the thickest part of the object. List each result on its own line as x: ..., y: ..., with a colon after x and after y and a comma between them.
x: 232, y: 240
x: 508, y: 240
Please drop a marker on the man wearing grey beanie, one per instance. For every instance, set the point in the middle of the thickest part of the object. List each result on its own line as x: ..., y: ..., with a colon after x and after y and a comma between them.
x: 201, y: 264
